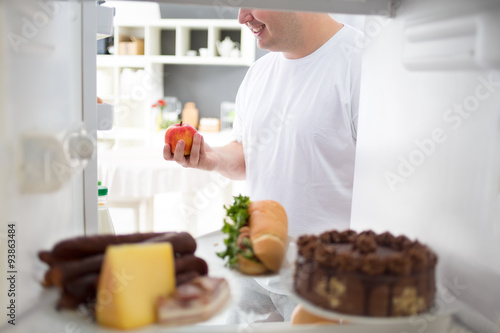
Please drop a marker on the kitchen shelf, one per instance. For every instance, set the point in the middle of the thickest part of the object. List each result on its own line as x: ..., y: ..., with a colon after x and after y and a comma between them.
x: 132, y: 61
x: 182, y: 32
x: 206, y: 61
x: 141, y: 61
x: 133, y: 82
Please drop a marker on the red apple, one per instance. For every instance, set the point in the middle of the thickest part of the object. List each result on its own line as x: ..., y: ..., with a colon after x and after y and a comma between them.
x: 178, y: 132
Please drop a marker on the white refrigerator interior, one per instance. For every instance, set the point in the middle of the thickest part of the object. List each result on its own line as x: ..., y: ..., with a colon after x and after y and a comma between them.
x: 428, y: 149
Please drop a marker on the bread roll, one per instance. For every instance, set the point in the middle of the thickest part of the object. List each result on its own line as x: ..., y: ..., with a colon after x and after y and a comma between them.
x: 250, y: 267
x: 257, y: 235
x: 268, y: 232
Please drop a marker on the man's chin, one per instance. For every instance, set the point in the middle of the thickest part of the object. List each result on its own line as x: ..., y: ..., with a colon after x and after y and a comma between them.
x: 265, y: 46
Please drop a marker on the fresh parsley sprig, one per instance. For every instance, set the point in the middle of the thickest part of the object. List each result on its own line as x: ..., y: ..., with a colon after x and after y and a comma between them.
x: 237, y: 217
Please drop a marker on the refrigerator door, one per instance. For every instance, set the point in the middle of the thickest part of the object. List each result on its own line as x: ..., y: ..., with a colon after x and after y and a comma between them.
x: 47, y: 138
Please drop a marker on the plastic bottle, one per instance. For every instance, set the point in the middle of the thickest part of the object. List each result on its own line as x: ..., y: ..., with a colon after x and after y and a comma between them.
x: 105, y: 224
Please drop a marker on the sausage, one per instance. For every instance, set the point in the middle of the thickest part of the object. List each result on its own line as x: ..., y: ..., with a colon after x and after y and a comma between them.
x: 185, y: 277
x: 75, y: 263
x: 189, y: 262
x: 182, y: 242
x: 49, y: 259
x: 67, y: 301
x: 46, y: 257
x: 81, y: 247
x: 60, y: 274
x: 83, y: 288
x: 67, y: 271
x: 47, y: 279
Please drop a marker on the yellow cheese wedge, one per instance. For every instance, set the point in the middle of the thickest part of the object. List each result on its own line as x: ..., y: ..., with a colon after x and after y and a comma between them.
x: 132, y: 279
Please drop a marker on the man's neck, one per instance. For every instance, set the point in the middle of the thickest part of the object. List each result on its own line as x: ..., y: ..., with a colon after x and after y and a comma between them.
x: 317, y: 30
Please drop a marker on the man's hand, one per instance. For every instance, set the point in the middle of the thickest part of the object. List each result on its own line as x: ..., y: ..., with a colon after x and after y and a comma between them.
x: 202, y: 156
x: 227, y: 160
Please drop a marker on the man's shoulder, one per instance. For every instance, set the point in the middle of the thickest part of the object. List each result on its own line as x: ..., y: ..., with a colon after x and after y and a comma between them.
x: 352, y: 30
x: 350, y: 43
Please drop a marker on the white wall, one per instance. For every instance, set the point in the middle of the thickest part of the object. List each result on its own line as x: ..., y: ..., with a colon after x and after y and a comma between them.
x: 428, y: 171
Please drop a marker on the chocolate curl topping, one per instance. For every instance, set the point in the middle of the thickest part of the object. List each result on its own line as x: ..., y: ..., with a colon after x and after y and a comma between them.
x: 347, y: 236
x: 307, y: 251
x: 431, y: 258
x: 335, y: 236
x: 347, y: 261
x: 372, y: 265
x: 386, y: 239
x: 325, y: 255
x: 306, y: 239
x: 397, y: 264
x: 362, y: 254
x: 326, y: 237
x: 370, y: 233
x: 418, y: 259
x: 365, y: 243
x: 402, y: 243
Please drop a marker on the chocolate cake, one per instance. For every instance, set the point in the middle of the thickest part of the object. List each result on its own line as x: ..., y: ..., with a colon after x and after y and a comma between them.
x: 365, y: 274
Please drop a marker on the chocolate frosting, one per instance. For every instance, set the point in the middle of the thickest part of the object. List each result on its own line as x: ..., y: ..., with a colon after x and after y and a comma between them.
x: 367, y: 252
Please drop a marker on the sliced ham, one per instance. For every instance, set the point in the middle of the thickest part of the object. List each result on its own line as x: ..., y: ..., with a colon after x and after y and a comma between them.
x: 194, y: 301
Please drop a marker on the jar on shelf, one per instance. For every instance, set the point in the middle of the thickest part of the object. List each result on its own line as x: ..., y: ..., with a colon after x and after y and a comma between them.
x: 190, y: 114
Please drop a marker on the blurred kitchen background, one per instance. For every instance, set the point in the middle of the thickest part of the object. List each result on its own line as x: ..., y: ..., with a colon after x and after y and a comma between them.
x: 164, y: 63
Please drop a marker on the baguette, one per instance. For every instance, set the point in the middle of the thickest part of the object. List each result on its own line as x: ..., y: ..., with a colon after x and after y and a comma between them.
x: 268, y: 232
x: 257, y: 236
x: 250, y: 267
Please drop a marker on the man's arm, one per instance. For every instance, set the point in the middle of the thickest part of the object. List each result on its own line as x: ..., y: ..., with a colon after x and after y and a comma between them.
x: 228, y: 160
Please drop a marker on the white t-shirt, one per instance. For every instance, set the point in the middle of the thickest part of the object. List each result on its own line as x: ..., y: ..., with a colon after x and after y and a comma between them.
x: 297, y: 122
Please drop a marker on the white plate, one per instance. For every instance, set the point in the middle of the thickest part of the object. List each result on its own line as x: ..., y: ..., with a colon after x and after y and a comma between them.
x: 435, y: 313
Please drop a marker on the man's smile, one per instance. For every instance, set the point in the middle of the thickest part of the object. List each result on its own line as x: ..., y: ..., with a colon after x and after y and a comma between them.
x: 256, y: 30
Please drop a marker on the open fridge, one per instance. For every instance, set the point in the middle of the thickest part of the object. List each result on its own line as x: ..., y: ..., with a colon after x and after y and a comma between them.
x: 428, y: 147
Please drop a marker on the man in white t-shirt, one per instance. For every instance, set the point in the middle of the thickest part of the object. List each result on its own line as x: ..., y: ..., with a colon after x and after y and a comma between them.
x: 295, y: 126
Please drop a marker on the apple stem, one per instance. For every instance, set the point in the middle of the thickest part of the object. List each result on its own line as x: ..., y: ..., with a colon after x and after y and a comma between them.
x: 180, y: 123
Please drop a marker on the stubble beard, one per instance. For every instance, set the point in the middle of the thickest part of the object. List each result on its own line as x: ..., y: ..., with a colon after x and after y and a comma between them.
x: 286, y: 36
